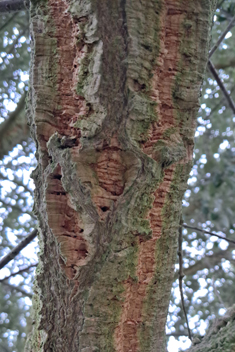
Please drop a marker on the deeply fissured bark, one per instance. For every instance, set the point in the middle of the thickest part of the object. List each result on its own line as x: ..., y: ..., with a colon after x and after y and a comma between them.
x: 114, y: 91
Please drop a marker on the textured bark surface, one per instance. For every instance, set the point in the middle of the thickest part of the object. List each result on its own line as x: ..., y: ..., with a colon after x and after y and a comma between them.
x: 114, y: 91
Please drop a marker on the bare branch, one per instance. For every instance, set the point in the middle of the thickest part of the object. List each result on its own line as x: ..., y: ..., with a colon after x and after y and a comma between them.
x: 12, y: 6
x: 178, y: 334
x: 9, y: 136
x: 16, y: 208
x: 12, y: 47
x: 17, y: 181
x: 225, y: 64
x: 5, y: 260
x: 208, y: 233
x: 226, y: 14
x: 221, y: 85
x: 217, y: 294
x: 181, y: 275
x: 207, y: 261
x: 221, y: 38
x: 8, y: 21
x: 16, y: 288
x: 19, y: 272
x: 12, y: 116
x: 217, y: 106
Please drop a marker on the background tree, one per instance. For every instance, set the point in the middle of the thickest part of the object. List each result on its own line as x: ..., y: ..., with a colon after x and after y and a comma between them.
x: 212, y: 124
x: 17, y: 161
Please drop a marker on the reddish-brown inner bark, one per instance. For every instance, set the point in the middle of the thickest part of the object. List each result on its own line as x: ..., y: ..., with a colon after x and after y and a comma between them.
x: 126, y: 335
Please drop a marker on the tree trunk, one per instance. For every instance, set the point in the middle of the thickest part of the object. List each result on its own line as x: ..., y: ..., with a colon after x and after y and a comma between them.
x: 114, y: 95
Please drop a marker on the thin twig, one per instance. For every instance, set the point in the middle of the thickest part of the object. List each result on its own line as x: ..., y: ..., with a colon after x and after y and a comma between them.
x: 207, y: 232
x: 221, y: 38
x: 13, y: 116
x: 177, y: 334
x: 16, y: 208
x: 5, y: 260
x: 16, y: 288
x: 8, y: 21
x: 216, y: 106
x: 225, y: 64
x: 14, y: 129
x: 19, y: 272
x: 208, y: 261
x: 217, y: 293
x: 17, y: 181
x: 181, y: 275
x: 12, y: 47
x: 221, y: 85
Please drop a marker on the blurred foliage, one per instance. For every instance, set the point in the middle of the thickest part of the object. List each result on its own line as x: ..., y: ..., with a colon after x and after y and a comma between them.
x: 209, y: 286
x: 16, y: 187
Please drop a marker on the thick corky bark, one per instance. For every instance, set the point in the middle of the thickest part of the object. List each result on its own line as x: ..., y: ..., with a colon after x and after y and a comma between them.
x: 114, y: 91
